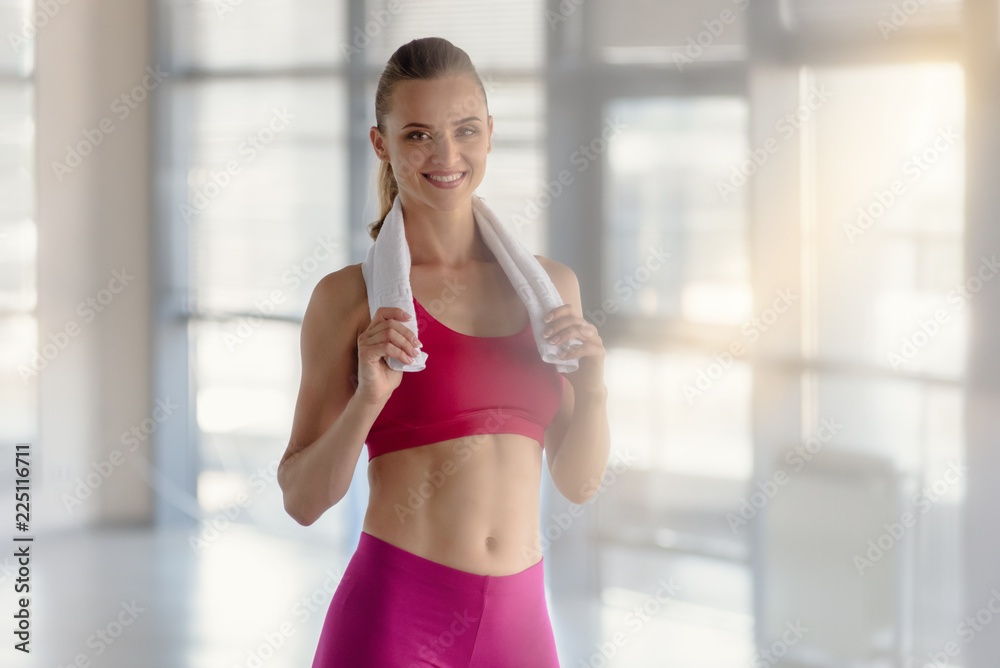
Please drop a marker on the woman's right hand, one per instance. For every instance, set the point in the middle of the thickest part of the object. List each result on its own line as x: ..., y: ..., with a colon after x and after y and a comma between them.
x: 385, y: 335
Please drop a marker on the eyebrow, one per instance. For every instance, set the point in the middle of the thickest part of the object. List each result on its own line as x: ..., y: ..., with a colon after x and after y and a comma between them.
x: 422, y: 125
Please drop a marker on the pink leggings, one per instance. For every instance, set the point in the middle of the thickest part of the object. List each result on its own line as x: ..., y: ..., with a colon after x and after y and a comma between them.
x: 394, y: 609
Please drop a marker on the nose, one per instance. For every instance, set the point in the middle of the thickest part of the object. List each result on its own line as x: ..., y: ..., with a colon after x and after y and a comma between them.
x: 445, y: 152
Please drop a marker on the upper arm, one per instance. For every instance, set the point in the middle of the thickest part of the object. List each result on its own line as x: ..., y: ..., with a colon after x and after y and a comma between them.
x: 569, y: 290
x: 328, y: 343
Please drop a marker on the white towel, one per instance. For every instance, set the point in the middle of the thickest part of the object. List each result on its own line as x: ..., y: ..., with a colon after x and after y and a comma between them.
x: 386, y: 270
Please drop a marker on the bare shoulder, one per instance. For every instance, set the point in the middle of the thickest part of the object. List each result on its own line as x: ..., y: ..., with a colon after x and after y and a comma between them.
x: 564, y: 278
x: 340, y: 298
x: 336, y: 315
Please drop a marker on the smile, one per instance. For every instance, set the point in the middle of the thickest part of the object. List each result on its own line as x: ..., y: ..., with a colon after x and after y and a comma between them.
x: 446, y: 181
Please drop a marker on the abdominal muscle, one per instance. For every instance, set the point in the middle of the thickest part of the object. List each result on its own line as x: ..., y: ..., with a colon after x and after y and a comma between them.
x: 470, y: 503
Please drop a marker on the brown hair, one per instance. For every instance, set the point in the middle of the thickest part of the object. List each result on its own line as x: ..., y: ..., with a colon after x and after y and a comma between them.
x: 424, y: 58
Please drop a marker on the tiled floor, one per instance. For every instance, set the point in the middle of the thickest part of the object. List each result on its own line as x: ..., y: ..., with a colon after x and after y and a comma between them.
x: 130, y: 598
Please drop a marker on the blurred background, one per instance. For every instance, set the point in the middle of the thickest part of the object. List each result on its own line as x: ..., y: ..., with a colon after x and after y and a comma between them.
x: 783, y: 217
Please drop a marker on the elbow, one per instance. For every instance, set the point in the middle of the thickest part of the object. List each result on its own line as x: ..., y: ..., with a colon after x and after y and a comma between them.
x: 577, y: 495
x: 299, y: 514
x: 579, y: 498
x: 301, y: 499
x: 303, y: 510
x: 295, y: 505
x: 580, y: 493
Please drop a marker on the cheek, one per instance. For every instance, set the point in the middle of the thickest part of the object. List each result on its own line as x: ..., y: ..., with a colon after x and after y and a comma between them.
x: 410, y: 161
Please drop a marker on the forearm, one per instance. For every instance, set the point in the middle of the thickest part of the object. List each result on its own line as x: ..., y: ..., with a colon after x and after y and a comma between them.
x: 579, y: 463
x: 318, y: 476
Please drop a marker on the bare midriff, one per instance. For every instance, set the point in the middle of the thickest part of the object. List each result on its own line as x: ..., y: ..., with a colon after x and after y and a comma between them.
x: 470, y: 503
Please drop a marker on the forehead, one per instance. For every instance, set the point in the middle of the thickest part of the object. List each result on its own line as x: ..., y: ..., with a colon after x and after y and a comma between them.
x: 437, y: 101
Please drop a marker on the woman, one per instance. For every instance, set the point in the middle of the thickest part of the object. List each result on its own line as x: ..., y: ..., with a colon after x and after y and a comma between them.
x: 448, y: 570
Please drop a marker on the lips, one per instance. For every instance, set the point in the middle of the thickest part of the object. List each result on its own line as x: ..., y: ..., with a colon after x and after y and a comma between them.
x: 445, y: 180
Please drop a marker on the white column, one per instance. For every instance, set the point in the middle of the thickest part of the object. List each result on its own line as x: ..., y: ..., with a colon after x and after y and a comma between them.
x: 94, y: 223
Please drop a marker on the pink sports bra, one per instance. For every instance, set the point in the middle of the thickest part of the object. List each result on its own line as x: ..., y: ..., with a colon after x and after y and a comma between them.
x: 471, y: 385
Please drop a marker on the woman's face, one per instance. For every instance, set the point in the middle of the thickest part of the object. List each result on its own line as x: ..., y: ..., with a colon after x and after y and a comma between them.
x: 436, y: 128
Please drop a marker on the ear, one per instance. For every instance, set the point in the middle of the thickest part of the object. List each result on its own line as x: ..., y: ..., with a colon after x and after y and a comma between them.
x: 489, y: 144
x: 378, y: 143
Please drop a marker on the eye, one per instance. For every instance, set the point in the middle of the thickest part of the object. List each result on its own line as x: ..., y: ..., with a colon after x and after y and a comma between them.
x: 415, y: 132
x: 471, y: 131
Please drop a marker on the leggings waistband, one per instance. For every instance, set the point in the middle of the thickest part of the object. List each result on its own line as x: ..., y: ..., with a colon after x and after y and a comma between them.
x: 384, y: 554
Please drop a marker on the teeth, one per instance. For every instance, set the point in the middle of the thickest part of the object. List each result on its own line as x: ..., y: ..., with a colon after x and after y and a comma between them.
x: 453, y: 177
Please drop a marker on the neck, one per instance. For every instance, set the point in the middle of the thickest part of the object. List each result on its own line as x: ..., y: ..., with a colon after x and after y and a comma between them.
x: 448, y: 238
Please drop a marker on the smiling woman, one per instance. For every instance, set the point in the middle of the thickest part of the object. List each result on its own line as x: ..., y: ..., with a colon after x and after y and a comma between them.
x: 448, y: 570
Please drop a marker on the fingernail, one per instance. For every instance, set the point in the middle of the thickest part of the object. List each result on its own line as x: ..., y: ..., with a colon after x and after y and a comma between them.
x: 548, y: 317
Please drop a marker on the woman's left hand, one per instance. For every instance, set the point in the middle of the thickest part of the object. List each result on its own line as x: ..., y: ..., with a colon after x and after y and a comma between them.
x: 564, y: 325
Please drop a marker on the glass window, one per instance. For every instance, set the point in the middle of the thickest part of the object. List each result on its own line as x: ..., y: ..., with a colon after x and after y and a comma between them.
x: 496, y: 35
x: 664, y: 190
x: 889, y: 218
x: 681, y: 33
x: 872, y: 19
x: 255, y: 34
x: 266, y: 190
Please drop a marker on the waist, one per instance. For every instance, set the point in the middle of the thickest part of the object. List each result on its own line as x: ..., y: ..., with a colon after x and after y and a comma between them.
x: 382, y: 555
x: 470, y: 503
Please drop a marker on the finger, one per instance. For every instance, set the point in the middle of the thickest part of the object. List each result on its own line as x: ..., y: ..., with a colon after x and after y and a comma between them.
x: 387, y: 348
x: 399, y: 335
x: 384, y: 313
x: 556, y: 313
x: 576, y: 351
x: 396, y: 335
x: 571, y: 330
x: 397, y: 352
x: 400, y: 332
x: 391, y: 320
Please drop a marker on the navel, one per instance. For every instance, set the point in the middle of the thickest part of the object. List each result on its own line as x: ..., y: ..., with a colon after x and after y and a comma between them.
x: 491, y: 543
